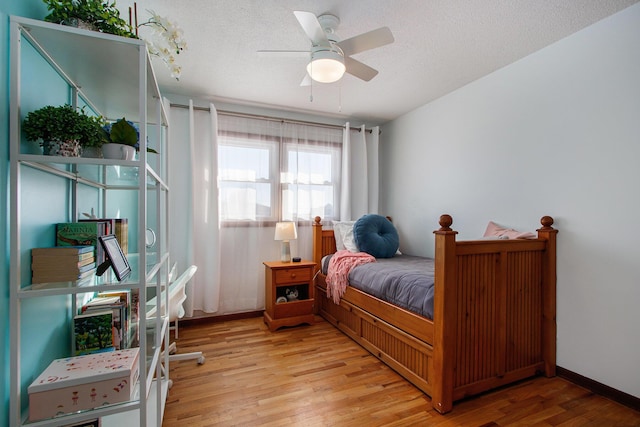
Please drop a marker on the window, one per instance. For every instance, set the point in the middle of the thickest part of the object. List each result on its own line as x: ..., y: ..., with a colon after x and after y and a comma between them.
x: 247, y: 179
x: 309, y: 184
x: 267, y: 176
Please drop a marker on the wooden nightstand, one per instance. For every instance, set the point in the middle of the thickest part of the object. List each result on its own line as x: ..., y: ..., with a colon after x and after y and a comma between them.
x: 281, y: 277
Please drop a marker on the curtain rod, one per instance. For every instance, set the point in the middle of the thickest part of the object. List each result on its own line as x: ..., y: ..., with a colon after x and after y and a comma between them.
x: 277, y: 119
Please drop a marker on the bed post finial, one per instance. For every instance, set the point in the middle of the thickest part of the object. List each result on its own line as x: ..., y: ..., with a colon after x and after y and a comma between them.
x: 317, y: 220
x: 546, y: 222
x: 445, y: 222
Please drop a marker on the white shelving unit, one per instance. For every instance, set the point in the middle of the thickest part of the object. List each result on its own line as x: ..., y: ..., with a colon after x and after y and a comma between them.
x: 114, y: 77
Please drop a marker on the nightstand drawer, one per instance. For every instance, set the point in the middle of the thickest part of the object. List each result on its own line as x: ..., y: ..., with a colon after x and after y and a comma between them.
x: 293, y: 275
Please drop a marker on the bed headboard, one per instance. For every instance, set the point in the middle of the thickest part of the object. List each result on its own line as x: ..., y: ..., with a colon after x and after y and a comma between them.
x: 324, y: 241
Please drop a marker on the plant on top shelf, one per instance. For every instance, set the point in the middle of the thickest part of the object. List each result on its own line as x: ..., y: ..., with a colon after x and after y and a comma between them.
x: 62, y: 130
x: 125, y: 132
x: 98, y: 15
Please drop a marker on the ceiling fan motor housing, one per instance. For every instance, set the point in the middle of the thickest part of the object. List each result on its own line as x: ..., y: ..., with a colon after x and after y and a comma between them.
x: 329, y: 24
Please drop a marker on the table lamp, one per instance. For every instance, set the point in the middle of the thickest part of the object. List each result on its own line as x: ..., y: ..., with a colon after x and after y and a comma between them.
x: 285, y: 231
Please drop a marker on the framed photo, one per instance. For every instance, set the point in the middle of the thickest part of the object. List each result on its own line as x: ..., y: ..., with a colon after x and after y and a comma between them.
x: 115, y: 258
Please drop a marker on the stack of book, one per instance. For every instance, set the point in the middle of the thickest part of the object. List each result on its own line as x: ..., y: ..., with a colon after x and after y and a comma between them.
x: 117, y: 226
x: 63, y: 264
x: 118, y: 307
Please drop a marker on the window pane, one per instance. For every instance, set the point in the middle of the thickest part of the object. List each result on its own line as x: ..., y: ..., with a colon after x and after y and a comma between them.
x: 243, y: 163
x: 245, y: 201
x: 304, y: 202
x: 309, y: 167
x: 310, y: 181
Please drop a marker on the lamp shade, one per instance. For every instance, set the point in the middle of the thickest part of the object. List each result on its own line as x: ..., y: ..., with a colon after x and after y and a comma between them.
x: 286, y: 231
x: 326, y: 66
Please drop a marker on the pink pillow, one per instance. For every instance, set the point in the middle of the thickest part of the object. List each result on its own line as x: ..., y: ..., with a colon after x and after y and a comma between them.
x: 494, y: 229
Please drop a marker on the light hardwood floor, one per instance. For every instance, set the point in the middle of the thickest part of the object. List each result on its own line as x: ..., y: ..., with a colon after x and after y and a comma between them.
x: 316, y: 376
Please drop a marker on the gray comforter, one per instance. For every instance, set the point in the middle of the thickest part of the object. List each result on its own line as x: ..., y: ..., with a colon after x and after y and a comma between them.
x: 404, y: 280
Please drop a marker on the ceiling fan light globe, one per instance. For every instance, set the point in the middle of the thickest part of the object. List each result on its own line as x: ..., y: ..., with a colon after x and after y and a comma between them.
x: 326, y: 70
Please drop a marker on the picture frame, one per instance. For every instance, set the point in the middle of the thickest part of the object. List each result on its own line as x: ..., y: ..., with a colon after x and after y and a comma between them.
x: 115, y: 258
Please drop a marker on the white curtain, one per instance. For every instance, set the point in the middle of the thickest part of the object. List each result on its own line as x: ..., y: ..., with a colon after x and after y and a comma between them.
x: 360, y: 182
x: 193, y: 203
x: 269, y: 171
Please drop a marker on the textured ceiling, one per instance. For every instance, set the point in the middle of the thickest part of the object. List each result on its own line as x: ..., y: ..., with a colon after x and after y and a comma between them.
x: 440, y: 45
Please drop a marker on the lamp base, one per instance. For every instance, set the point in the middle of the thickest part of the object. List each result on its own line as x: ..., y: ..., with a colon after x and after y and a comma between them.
x: 285, y: 253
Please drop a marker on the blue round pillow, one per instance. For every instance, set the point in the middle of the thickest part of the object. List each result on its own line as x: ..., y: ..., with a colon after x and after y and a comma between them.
x: 375, y: 235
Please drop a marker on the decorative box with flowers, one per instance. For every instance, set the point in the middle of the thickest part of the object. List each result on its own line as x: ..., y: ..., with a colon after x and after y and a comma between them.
x: 84, y: 382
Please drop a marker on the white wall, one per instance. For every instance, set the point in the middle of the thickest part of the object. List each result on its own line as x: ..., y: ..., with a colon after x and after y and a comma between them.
x: 556, y: 133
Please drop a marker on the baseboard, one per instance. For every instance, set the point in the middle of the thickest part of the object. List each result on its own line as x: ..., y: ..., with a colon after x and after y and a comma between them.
x: 203, y: 319
x: 599, y: 388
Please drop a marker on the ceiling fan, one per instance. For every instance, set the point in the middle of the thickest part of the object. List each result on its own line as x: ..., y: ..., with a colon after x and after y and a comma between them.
x: 330, y: 57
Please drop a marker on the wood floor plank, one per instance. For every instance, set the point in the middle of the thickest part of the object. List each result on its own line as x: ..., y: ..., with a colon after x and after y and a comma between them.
x: 316, y: 376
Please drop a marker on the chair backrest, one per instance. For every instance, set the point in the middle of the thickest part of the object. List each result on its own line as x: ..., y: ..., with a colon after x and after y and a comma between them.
x: 173, y: 272
x: 177, y: 295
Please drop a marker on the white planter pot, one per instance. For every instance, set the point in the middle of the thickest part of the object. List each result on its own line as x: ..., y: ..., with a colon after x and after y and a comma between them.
x: 118, y: 151
x: 92, y: 152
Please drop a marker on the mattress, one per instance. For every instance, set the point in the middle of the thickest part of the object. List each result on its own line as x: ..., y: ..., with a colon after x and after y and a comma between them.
x: 405, y: 281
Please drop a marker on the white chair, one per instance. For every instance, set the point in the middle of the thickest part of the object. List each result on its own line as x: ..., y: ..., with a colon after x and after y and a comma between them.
x: 177, y: 295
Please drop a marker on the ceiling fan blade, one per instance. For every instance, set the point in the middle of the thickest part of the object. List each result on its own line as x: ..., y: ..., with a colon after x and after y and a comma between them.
x: 284, y: 53
x: 366, y: 41
x: 306, y: 81
x: 360, y: 70
x: 312, y: 27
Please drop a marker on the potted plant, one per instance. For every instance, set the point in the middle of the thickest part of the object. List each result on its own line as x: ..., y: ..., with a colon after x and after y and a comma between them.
x: 97, y: 15
x: 58, y: 129
x: 92, y: 136
x: 124, y: 140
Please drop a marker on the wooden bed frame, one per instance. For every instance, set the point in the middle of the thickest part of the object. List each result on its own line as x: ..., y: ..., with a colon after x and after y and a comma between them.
x: 494, y: 315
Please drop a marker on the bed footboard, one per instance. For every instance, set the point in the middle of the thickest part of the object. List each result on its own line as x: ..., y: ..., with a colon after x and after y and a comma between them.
x: 494, y: 312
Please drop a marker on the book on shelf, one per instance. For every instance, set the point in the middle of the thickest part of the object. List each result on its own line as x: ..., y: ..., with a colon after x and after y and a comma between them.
x: 83, y: 233
x: 61, y: 262
x: 93, y: 332
x: 117, y: 226
x: 119, y: 321
x: 37, y: 267
x: 122, y: 234
x: 62, y: 276
x: 82, y: 251
x: 129, y: 327
x: 87, y: 281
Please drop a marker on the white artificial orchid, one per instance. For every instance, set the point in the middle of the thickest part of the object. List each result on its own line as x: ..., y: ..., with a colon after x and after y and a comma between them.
x: 164, y: 40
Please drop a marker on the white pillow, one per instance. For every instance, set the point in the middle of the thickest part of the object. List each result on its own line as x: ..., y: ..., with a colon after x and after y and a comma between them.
x: 343, y: 232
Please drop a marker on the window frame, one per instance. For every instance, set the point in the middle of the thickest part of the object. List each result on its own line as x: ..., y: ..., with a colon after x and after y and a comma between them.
x: 279, y: 147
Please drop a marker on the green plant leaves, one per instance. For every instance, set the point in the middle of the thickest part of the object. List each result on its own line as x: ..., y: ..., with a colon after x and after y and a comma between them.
x: 123, y: 133
x: 104, y: 16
